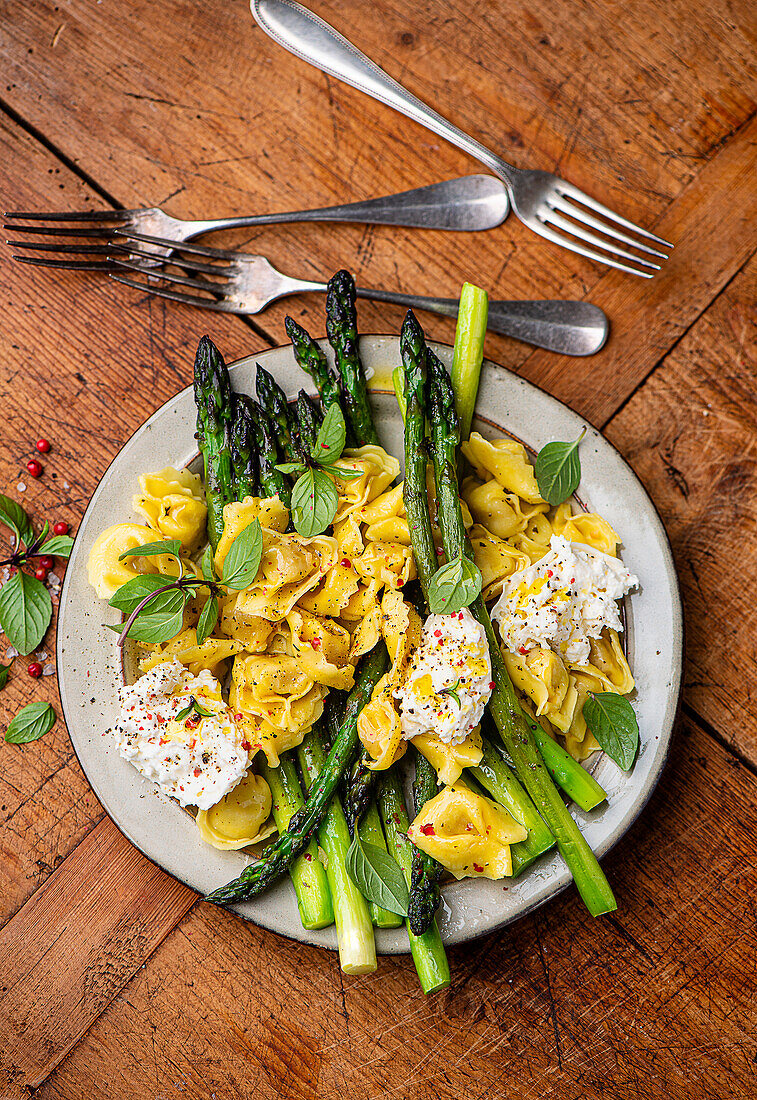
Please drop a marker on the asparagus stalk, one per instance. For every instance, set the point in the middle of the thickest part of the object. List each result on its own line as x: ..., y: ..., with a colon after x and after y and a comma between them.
x: 357, y: 947
x: 581, y: 787
x: 426, y: 871
x: 308, y: 418
x: 341, y: 329
x: 358, y: 789
x: 469, y: 352
x: 214, y: 412
x: 307, y: 872
x: 371, y: 832
x: 427, y: 950
x: 503, y: 705
x: 243, y: 451
x: 272, y: 482
x: 273, y: 399
x: 313, y: 361
x: 277, y: 858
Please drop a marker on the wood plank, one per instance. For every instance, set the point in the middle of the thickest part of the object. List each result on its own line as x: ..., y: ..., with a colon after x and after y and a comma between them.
x: 74, y: 945
x: 655, y: 1002
x: 689, y: 433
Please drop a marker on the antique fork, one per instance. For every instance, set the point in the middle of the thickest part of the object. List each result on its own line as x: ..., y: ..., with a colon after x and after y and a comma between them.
x: 545, y: 203
x: 470, y: 203
x: 240, y: 282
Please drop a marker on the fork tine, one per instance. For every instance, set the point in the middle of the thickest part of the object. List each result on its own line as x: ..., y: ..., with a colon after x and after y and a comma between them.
x: 60, y: 230
x: 187, y: 265
x: 583, y: 216
x: 177, y: 246
x: 82, y: 216
x: 562, y: 223
x: 182, y: 280
x: 67, y: 265
x: 567, y: 242
x: 42, y: 246
x: 575, y: 193
x: 187, y: 299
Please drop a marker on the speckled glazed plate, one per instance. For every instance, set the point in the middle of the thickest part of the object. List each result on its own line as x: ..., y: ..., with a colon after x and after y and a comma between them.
x: 90, y: 669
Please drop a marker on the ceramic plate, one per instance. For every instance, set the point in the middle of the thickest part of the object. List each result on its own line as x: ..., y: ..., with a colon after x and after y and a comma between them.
x: 89, y: 664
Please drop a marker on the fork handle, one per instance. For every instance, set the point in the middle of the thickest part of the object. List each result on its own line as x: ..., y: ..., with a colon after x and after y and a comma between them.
x: 568, y: 328
x: 313, y: 40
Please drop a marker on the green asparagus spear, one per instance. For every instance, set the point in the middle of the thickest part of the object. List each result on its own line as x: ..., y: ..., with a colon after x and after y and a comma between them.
x: 424, y: 880
x: 308, y: 418
x: 371, y: 832
x: 214, y: 412
x: 273, y: 399
x: 271, y: 481
x: 312, y: 360
x: 243, y: 450
x: 307, y: 872
x: 503, y: 705
x: 358, y: 789
x: 279, y: 855
x: 469, y: 352
x: 341, y: 329
x: 357, y: 947
x: 414, y: 353
x: 427, y: 950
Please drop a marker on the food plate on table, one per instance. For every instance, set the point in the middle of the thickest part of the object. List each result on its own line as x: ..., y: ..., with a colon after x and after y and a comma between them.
x: 92, y: 666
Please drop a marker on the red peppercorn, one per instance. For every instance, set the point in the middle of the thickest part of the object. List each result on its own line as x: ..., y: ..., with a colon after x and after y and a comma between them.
x: 34, y: 467
x: 43, y: 446
x: 46, y: 562
x: 40, y: 573
x: 346, y: 563
x: 35, y: 670
x: 60, y: 528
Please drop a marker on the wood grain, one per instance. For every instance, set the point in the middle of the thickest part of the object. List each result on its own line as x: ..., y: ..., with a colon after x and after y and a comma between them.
x: 76, y: 943
x: 654, y: 1000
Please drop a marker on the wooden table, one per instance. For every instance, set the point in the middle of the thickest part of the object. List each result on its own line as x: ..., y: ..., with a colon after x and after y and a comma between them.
x: 116, y: 981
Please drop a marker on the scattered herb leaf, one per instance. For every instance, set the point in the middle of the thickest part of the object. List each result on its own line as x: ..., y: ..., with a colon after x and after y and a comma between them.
x: 452, y: 690
x: 314, y: 503
x: 4, y: 672
x: 130, y: 595
x: 154, y: 626
x: 332, y: 435
x: 454, y: 586
x: 377, y: 876
x: 208, y: 565
x: 193, y: 706
x: 241, y: 564
x: 31, y: 723
x: 150, y: 549
x: 14, y: 517
x: 558, y: 470
x: 25, y: 611
x: 208, y: 619
x: 342, y: 472
x: 291, y: 468
x: 612, y: 720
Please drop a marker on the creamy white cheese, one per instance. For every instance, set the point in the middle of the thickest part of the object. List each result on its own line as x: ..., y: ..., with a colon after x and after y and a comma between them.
x: 448, y: 682
x: 562, y: 601
x: 196, y: 760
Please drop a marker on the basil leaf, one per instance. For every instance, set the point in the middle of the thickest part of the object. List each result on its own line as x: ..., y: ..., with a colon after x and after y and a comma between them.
x: 193, y: 706
x: 207, y: 621
x: 612, y: 720
x: 332, y: 435
x: 291, y: 468
x: 152, y: 549
x: 156, y: 626
x: 314, y: 503
x: 12, y: 515
x: 208, y: 565
x: 25, y: 611
x: 558, y: 470
x: 128, y: 597
x: 240, y: 567
x: 454, y: 586
x: 59, y: 546
x: 31, y: 723
x: 4, y: 671
x: 342, y: 471
x: 40, y: 538
x: 377, y: 876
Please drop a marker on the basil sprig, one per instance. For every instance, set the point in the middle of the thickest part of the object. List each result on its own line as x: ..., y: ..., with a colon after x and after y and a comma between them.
x: 377, y: 876
x: 454, y: 586
x: 314, y: 496
x: 31, y: 723
x: 25, y: 604
x: 155, y: 609
x: 612, y: 720
x: 558, y: 470
x: 195, y: 707
x: 4, y: 673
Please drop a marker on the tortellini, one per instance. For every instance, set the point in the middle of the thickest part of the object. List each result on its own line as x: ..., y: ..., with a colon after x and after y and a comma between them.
x: 240, y: 818
x: 385, y: 518
x: 322, y: 649
x: 507, y: 462
x: 290, y: 567
x: 503, y: 514
x: 543, y: 677
x: 387, y: 563
x: 378, y: 469
x: 212, y: 654
x: 269, y: 511
x: 587, y: 528
x: 106, y: 573
x: 449, y: 760
x: 496, y: 560
x: 467, y: 833
x: 173, y: 503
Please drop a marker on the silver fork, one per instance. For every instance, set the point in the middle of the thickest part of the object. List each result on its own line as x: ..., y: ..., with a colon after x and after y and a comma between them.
x: 470, y: 203
x: 545, y: 203
x: 240, y: 282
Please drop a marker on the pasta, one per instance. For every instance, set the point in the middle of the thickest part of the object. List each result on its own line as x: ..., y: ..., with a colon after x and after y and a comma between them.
x: 240, y: 818
x: 173, y: 503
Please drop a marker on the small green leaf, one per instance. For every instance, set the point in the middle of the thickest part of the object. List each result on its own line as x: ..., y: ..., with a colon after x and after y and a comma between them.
x: 558, y: 470
x: 341, y: 471
x: 291, y: 468
x: 454, y: 586
x: 332, y: 435
x: 453, y: 692
x: 207, y: 621
x: 241, y: 564
x: 377, y: 876
x: 193, y: 706
x: 4, y: 671
x: 12, y: 515
x: 25, y: 611
x: 314, y: 503
x: 58, y: 546
x: 158, y: 626
x: 208, y: 565
x: 129, y: 596
x: 31, y: 723
x: 151, y: 549
x: 612, y: 720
